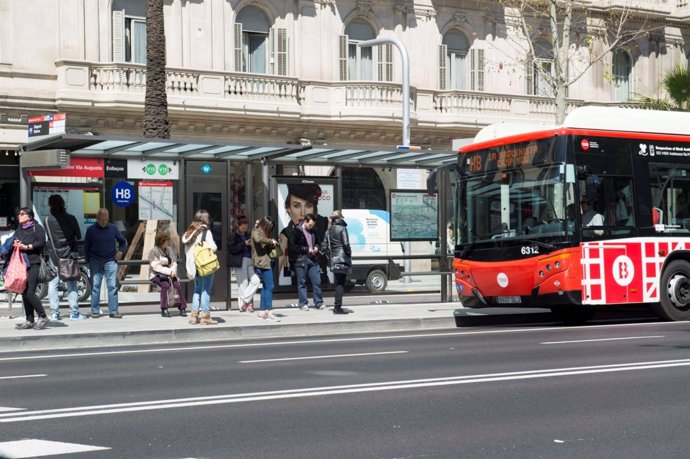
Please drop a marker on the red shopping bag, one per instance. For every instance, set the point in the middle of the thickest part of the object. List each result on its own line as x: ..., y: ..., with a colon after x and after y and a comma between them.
x: 15, y: 276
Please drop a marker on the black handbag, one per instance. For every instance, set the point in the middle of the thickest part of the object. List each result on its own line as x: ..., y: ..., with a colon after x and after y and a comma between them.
x: 46, y: 272
x: 68, y: 268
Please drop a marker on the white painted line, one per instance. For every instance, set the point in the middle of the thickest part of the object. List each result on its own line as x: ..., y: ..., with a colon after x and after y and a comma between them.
x: 313, y: 357
x: 37, y: 448
x: 5, y: 409
x: 23, y: 376
x: 459, y: 333
x: 334, y: 390
x: 603, y: 339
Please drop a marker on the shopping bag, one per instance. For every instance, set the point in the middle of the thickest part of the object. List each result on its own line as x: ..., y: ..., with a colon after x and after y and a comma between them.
x: 173, y: 295
x: 15, y: 276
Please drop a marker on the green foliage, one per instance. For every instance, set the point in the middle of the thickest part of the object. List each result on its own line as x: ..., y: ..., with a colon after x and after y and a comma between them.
x: 677, y: 87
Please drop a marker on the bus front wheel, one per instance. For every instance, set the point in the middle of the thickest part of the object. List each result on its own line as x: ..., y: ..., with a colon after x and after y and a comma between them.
x: 675, y: 292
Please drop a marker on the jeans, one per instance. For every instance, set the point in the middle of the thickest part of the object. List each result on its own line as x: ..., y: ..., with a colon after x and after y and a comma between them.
x: 72, y: 296
x: 312, y: 270
x: 247, y: 282
x: 266, y: 289
x: 202, y: 292
x: 99, y: 269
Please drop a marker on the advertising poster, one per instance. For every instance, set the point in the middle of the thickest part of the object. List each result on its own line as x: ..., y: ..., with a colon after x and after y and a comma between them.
x: 296, y: 197
x: 82, y: 202
x: 414, y: 216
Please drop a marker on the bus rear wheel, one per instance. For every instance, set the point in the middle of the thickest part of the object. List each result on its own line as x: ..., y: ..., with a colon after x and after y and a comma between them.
x: 675, y: 292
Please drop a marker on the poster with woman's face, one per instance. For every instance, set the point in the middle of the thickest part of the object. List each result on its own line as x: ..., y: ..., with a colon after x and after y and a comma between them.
x: 295, y: 199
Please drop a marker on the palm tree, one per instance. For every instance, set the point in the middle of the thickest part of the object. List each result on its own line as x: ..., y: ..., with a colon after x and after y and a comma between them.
x: 677, y: 87
x: 156, y: 122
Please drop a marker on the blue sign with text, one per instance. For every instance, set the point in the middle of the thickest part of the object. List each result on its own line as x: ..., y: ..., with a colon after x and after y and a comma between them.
x: 122, y: 194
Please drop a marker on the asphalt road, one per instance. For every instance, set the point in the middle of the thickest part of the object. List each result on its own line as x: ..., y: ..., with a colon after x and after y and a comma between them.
x: 613, y: 390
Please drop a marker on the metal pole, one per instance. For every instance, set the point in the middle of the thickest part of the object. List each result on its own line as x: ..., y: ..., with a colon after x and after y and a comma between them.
x: 405, y: 82
x: 405, y: 114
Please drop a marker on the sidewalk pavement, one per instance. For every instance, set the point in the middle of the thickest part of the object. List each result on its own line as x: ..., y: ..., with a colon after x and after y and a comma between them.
x: 138, y: 328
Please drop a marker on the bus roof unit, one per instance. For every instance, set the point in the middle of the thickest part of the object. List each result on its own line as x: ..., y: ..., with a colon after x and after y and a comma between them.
x: 629, y: 120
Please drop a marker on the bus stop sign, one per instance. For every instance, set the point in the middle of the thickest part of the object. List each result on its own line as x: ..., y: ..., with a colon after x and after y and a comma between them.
x: 122, y: 194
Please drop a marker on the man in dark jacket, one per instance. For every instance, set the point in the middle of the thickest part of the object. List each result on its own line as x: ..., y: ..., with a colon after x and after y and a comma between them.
x: 102, y: 255
x: 63, y: 233
x: 337, y: 246
x: 303, y: 250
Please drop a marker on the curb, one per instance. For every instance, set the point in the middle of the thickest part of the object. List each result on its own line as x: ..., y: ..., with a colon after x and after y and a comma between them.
x: 209, y: 333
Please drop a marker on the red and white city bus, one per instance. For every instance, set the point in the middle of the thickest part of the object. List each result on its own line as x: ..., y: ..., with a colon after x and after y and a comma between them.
x: 591, y: 213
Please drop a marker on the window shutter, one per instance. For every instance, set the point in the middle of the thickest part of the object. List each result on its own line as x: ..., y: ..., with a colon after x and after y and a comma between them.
x: 442, y: 67
x: 477, y: 69
x: 119, y: 36
x: 343, y: 56
x: 389, y: 61
x: 380, y: 63
x: 278, y: 40
x: 239, y: 67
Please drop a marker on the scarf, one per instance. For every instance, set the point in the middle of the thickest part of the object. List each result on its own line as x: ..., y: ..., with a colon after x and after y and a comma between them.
x: 28, y: 224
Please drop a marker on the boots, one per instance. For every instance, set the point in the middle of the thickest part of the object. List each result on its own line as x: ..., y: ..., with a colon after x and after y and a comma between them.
x: 206, y: 319
x: 195, y: 316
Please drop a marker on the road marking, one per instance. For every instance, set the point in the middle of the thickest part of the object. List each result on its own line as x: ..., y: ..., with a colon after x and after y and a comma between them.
x: 4, y: 409
x: 459, y: 333
x: 603, y: 339
x: 334, y: 390
x: 313, y: 357
x: 23, y: 376
x: 36, y: 448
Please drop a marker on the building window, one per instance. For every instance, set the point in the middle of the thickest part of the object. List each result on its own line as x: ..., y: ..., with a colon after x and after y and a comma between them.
x: 540, y: 71
x: 358, y: 63
x: 259, y: 48
x: 460, y: 67
x: 129, y: 31
x: 621, y: 72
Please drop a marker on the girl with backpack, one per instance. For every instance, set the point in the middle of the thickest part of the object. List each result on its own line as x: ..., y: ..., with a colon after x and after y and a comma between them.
x: 262, y: 246
x: 197, y: 233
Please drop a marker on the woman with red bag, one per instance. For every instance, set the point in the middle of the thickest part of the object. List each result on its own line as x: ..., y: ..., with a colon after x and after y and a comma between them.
x: 30, y: 238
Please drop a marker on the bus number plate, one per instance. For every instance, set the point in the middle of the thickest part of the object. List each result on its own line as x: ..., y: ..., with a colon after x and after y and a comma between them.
x: 508, y: 299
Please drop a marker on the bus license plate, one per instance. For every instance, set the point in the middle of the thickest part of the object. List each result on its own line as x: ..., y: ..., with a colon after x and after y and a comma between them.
x: 508, y: 299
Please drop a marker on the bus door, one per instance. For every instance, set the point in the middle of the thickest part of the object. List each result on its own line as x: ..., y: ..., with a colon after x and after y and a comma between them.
x: 609, y: 273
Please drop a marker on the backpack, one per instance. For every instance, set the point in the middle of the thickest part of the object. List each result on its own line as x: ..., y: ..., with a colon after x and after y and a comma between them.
x: 205, y: 259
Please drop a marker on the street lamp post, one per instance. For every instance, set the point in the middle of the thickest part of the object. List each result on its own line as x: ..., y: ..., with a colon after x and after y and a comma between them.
x: 405, y: 113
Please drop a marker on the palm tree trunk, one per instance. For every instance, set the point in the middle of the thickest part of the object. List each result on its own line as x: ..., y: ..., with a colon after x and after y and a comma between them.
x: 156, y: 102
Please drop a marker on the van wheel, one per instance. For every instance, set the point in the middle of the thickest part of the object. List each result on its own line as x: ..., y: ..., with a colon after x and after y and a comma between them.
x: 83, y: 287
x: 377, y: 281
x: 42, y: 290
x: 675, y: 292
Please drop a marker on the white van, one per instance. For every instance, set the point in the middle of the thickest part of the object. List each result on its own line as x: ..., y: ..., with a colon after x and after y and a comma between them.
x: 369, y: 232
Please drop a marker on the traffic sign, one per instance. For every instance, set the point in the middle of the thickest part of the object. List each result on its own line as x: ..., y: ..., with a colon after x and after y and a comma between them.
x: 122, y: 194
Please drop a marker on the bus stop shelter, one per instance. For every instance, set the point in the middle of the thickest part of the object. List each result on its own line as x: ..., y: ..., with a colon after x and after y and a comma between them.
x: 195, y: 173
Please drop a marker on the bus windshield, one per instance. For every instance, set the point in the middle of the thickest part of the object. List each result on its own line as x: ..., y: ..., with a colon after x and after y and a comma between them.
x: 515, y: 192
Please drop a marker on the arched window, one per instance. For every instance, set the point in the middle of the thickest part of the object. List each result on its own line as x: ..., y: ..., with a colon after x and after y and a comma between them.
x: 259, y: 48
x: 358, y: 63
x: 129, y: 31
x: 621, y: 70
x: 461, y: 68
x: 540, y: 70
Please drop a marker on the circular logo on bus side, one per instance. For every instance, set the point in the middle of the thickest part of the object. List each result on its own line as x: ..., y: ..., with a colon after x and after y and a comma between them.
x: 502, y: 280
x: 623, y: 270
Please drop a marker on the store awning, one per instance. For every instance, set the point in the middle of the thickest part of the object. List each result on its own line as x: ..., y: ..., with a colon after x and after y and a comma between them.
x: 319, y: 155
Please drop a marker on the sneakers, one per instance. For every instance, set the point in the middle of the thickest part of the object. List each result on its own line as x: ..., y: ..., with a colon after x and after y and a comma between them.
x: 321, y: 307
x: 77, y: 316
x: 304, y: 307
x: 340, y: 311
x: 261, y: 315
x: 272, y: 317
x: 55, y: 316
x: 25, y: 326
x: 41, y: 323
x: 249, y: 307
x: 115, y: 315
x: 95, y: 315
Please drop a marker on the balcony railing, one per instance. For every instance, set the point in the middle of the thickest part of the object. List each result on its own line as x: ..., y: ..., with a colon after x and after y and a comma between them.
x: 263, y: 95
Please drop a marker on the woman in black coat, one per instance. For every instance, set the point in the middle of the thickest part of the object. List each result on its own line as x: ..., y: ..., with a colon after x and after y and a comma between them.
x: 337, y: 245
x: 30, y: 238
